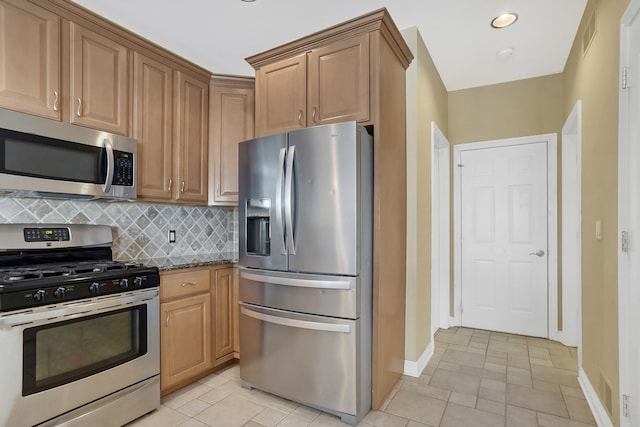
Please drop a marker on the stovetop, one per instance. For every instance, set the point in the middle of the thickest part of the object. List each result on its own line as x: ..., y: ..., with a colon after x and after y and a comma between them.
x: 52, y: 264
x: 23, y: 277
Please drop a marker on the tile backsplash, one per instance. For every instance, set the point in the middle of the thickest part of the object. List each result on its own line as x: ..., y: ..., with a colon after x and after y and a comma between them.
x: 139, y: 229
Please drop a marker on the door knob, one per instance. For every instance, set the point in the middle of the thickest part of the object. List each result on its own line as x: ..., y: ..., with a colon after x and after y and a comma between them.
x: 539, y: 252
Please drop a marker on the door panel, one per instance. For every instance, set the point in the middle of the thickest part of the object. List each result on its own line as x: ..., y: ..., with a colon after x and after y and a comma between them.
x: 99, y: 84
x: 323, y: 295
x: 30, y: 68
x: 504, y: 224
x: 339, y: 82
x: 281, y: 96
x: 283, y: 352
x: 326, y: 202
x: 260, y: 180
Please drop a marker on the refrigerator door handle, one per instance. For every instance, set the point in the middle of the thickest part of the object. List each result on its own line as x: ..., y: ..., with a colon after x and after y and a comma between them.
x: 294, y: 323
x: 306, y: 283
x: 279, y: 179
x: 288, y: 200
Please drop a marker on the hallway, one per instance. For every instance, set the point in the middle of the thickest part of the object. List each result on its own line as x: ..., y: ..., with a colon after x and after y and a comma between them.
x: 475, y: 379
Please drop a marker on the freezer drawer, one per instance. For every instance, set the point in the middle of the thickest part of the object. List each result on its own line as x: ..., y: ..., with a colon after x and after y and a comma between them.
x: 309, y: 359
x: 335, y: 296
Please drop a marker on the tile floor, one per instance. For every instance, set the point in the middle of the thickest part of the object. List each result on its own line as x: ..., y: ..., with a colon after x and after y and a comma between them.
x: 475, y: 379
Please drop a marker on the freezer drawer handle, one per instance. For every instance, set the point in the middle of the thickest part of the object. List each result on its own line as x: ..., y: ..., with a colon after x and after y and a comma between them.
x: 306, y: 283
x: 294, y: 323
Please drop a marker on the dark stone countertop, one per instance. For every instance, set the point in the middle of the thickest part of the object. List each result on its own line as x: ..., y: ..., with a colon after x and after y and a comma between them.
x: 189, y: 261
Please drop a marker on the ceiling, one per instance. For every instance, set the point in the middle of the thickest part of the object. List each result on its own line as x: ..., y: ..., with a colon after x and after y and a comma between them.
x: 219, y: 34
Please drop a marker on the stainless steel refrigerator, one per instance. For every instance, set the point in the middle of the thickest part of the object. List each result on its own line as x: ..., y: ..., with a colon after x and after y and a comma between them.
x: 305, y: 220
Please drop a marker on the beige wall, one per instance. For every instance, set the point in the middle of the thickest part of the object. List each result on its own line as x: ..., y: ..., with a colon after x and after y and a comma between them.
x: 426, y: 102
x: 507, y: 110
x: 593, y: 78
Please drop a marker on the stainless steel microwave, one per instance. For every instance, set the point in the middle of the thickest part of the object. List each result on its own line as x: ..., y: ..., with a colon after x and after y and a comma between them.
x: 47, y: 158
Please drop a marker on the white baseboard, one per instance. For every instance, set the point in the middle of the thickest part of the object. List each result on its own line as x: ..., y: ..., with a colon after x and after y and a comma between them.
x: 414, y: 369
x: 597, y: 408
x: 452, y: 321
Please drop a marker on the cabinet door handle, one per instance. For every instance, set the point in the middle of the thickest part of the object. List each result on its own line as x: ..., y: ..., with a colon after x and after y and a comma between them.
x: 300, y: 117
x: 182, y: 187
x: 56, y: 100
x: 166, y: 320
x: 79, y: 110
x: 218, y: 189
x: 170, y: 184
x: 188, y: 284
x: 314, y: 115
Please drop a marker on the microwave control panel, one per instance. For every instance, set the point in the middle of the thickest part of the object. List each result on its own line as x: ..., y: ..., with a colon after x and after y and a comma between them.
x: 123, y: 173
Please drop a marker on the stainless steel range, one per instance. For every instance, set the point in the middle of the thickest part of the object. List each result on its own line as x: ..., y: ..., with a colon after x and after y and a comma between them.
x: 79, y: 332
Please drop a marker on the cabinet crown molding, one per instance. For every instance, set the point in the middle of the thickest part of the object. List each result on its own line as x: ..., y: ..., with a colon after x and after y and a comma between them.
x: 378, y: 20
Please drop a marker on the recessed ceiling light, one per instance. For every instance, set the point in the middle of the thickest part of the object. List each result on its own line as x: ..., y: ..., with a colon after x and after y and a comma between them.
x: 248, y: 1
x: 504, y: 20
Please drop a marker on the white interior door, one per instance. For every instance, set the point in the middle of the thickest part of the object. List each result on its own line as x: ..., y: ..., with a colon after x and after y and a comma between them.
x: 440, y: 229
x: 629, y: 218
x: 504, y: 245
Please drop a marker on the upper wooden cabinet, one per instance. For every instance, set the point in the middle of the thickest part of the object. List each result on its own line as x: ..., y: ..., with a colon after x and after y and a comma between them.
x: 191, y: 139
x: 354, y: 71
x: 170, y: 124
x: 281, y: 96
x: 327, y: 84
x: 29, y: 59
x: 152, y: 126
x: 99, y: 81
x: 231, y: 112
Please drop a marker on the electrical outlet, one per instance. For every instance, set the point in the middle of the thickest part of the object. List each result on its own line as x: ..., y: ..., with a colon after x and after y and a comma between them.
x: 172, y: 236
x: 598, y: 229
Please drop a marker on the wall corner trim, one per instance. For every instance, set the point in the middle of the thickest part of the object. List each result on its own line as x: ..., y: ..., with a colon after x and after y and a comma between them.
x: 596, y: 406
x: 414, y: 369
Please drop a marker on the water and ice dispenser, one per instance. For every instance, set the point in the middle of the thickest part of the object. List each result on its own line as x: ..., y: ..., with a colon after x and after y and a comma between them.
x: 258, y: 230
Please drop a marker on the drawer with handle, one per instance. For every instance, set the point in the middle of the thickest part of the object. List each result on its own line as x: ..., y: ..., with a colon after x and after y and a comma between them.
x: 175, y: 284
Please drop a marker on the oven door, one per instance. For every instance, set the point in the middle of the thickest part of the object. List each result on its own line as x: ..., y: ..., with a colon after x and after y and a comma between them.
x: 58, y: 358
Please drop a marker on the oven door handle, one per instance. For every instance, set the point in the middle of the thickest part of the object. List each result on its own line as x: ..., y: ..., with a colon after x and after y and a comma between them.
x: 48, y: 315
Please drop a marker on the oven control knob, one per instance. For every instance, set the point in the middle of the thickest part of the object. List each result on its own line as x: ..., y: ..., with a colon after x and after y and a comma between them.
x: 137, y: 282
x: 40, y: 295
x: 124, y: 283
x: 94, y: 288
x: 60, y: 292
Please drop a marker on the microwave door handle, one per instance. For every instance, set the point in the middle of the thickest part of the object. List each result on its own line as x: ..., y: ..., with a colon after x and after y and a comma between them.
x: 106, y: 144
x: 281, y: 157
x: 288, y: 201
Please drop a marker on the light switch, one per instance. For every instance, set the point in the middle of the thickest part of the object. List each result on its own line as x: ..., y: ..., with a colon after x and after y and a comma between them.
x: 598, y: 229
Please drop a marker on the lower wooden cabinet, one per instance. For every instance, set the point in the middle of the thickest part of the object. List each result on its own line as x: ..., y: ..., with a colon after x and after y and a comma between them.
x: 199, y: 323
x: 223, y: 315
x: 185, y: 339
x: 185, y: 326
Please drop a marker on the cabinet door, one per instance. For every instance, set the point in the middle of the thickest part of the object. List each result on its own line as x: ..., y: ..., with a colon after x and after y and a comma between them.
x: 232, y: 113
x: 223, y: 313
x: 184, y: 339
x: 236, y: 313
x: 281, y: 93
x: 29, y: 59
x: 152, y: 126
x: 191, y: 137
x: 338, y: 82
x: 99, y: 81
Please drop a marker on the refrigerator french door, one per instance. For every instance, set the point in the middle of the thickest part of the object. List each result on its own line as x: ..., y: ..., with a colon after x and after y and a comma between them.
x: 305, y: 219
